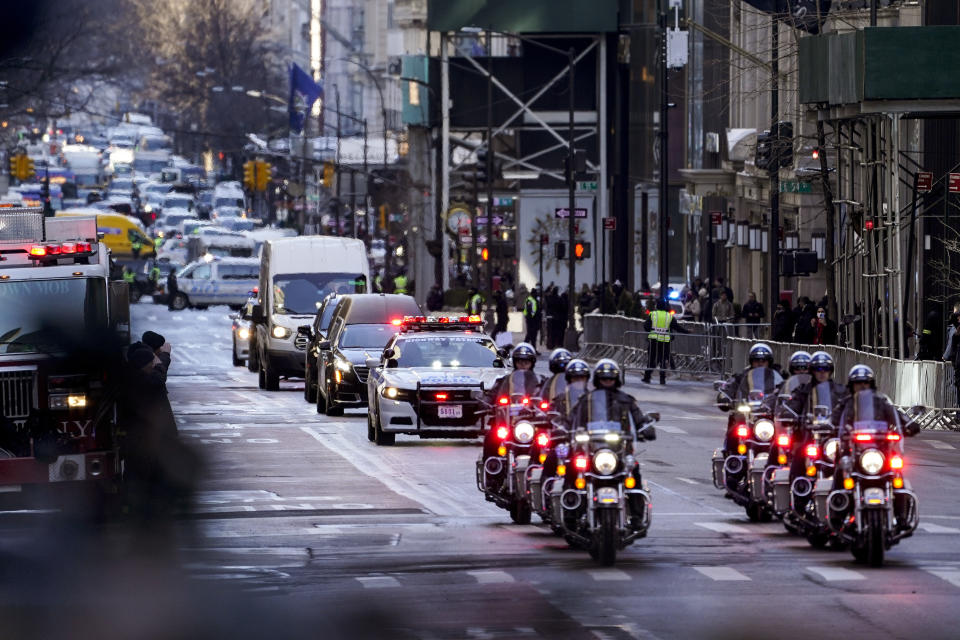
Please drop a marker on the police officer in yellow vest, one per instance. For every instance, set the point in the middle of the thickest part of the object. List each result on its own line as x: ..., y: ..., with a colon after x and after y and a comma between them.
x: 474, y: 305
x: 129, y: 276
x: 400, y: 283
x: 660, y: 326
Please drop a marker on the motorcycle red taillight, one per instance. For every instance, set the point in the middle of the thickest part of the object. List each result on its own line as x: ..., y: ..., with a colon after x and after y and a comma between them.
x: 503, y: 400
x: 525, y: 401
x: 503, y: 431
x: 895, y: 437
x: 742, y: 431
x: 543, y: 439
x: 580, y: 463
x: 544, y: 406
x: 863, y: 437
x: 783, y: 440
x: 812, y: 451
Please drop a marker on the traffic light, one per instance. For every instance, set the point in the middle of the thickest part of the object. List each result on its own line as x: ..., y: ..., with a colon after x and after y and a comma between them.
x: 762, y: 157
x: 14, y: 166
x: 560, y: 250
x: 869, y: 224
x: 263, y: 175
x: 250, y: 175
x: 815, y: 154
x: 581, y: 250
x: 485, y: 254
x: 783, y: 145
x: 26, y: 167
x: 328, y: 172
x: 481, y: 171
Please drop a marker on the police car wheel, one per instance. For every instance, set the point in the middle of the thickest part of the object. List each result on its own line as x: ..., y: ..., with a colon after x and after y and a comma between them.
x: 237, y: 362
x: 371, y: 429
x: 380, y: 437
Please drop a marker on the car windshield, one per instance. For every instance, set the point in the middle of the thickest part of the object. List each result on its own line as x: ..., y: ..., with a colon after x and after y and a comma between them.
x: 224, y: 201
x: 302, y: 293
x: 181, y: 203
x: 445, y: 351
x: 142, y: 165
x: 77, y: 303
x: 238, y: 224
x: 366, y: 336
x: 174, y: 220
x: 121, y: 185
x: 157, y: 188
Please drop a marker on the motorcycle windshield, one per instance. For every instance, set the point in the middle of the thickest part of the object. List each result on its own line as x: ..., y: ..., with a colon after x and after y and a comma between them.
x: 864, y: 408
x: 822, y: 395
x: 756, y: 383
x: 600, y: 426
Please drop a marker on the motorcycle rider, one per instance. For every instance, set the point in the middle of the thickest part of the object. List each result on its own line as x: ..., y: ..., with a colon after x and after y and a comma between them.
x: 758, y: 376
x: 799, y: 368
x: 521, y: 381
x: 606, y: 398
x: 577, y: 375
x: 822, y: 390
x: 555, y: 384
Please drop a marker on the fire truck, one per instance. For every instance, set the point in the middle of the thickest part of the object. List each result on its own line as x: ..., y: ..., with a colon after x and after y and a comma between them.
x: 58, y: 423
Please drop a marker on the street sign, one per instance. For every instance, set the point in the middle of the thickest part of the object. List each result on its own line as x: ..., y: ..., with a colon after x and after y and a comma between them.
x: 587, y: 185
x: 610, y: 224
x: 924, y: 181
x: 481, y: 220
x: 716, y: 217
x: 564, y: 212
x: 795, y: 186
x: 502, y: 202
x: 954, y: 183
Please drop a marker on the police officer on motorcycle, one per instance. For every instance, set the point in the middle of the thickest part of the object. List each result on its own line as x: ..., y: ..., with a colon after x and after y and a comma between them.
x: 606, y: 398
x: 522, y: 380
x: 555, y: 384
x: 821, y: 390
x: 577, y: 375
x: 758, y: 376
x: 799, y: 368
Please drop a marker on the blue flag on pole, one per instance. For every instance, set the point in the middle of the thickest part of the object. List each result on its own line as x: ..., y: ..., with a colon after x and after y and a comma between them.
x: 303, y: 93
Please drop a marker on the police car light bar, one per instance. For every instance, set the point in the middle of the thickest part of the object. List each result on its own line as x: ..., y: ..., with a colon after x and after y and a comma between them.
x: 458, y: 323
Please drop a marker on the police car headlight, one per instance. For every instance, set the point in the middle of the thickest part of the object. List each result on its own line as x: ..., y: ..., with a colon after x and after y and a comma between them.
x: 243, y: 333
x: 871, y: 461
x: 280, y: 332
x: 523, y: 432
x: 763, y: 430
x: 605, y: 462
x: 391, y: 392
x: 343, y: 365
x: 830, y: 448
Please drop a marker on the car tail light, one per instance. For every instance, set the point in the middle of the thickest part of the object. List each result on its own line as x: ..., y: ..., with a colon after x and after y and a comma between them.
x: 783, y: 440
x: 440, y: 396
x: 544, y: 406
x: 742, y: 431
x: 895, y: 437
x: 896, y: 462
x: 504, y: 400
x: 503, y: 431
x: 863, y: 437
x: 812, y: 451
x: 543, y: 440
x: 525, y: 400
x: 580, y: 463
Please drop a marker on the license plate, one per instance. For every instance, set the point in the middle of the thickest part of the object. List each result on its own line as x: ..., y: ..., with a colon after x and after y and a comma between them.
x: 607, y: 495
x: 874, y: 495
x: 450, y: 411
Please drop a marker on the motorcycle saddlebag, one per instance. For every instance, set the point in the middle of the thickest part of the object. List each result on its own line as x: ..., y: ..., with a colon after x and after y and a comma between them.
x: 781, y: 490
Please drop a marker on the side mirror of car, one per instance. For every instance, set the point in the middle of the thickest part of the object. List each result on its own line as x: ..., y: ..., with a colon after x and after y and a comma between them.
x: 498, y: 363
x: 323, y: 345
x: 304, y: 330
x: 256, y: 313
x: 372, y: 363
x: 654, y: 415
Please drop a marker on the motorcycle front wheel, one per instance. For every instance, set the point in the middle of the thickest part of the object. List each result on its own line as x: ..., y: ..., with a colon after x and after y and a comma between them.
x: 875, y: 538
x: 520, y: 512
x: 606, y: 538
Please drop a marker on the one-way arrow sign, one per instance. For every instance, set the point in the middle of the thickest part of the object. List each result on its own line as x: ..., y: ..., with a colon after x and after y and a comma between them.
x: 564, y: 212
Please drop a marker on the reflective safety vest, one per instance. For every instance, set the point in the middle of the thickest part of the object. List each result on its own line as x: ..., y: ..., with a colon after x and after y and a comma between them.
x: 530, y: 307
x: 155, y: 274
x: 400, y: 284
x: 474, y: 304
x: 660, y: 329
x: 129, y: 276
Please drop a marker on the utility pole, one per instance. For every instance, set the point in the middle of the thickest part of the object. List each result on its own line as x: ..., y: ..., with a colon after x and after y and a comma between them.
x: 474, y: 268
x: 337, y: 167
x: 366, y: 186
x: 775, y: 169
x: 664, y: 259
x: 570, y: 339
x: 489, y: 169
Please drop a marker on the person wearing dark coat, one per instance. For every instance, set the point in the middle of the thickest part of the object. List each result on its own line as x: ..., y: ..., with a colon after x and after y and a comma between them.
x: 783, y: 322
x: 930, y: 336
x: 501, y: 310
x: 806, y: 314
x: 823, y: 330
x: 435, y: 298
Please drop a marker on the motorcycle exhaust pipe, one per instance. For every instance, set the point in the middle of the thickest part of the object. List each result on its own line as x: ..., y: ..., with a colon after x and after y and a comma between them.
x: 802, y: 487
x: 493, y: 466
x: 839, y: 501
x: 733, y: 465
x: 570, y: 500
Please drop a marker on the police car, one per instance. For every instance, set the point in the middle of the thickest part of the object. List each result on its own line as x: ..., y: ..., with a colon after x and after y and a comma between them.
x: 430, y: 379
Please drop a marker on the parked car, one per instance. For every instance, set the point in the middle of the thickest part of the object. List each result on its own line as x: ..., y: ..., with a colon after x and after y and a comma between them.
x: 226, y: 281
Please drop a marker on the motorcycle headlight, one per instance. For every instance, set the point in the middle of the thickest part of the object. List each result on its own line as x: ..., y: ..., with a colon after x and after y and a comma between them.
x: 830, y: 448
x: 743, y: 408
x: 243, y: 333
x: 582, y: 437
x: 605, y: 462
x: 871, y: 461
x: 523, y: 432
x: 280, y: 332
x: 612, y: 438
x: 763, y: 430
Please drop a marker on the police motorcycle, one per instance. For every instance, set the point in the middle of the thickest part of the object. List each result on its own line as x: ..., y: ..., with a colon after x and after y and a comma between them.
x: 874, y: 507
x: 544, y: 485
x: 605, y: 504
x: 741, y: 471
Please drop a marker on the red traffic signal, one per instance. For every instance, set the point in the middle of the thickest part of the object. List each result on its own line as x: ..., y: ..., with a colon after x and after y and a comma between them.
x: 581, y: 250
x: 816, y: 153
x: 485, y: 254
x: 868, y: 224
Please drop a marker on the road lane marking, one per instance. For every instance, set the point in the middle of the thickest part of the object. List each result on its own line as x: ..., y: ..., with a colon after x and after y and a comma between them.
x: 491, y: 577
x: 608, y: 574
x: 379, y: 582
x: 939, y: 444
x: 722, y: 574
x: 833, y: 574
x: 668, y: 429
x: 937, y: 528
x: 950, y: 574
x: 687, y: 480
x: 722, y: 527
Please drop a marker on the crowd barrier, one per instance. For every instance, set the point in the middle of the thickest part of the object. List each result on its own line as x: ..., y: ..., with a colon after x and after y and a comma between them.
x: 712, y: 351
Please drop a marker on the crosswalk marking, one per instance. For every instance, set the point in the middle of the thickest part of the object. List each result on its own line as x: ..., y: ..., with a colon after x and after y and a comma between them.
x: 687, y: 480
x: 668, y: 429
x: 937, y: 528
x: 601, y: 575
x: 950, y: 574
x: 939, y: 444
x: 832, y: 574
x: 722, y: 573
x: 491, y: 577
x: 722, y: 527
x: 378, y: 582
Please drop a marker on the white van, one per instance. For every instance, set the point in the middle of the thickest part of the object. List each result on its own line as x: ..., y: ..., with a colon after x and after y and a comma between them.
x: 296, y: 274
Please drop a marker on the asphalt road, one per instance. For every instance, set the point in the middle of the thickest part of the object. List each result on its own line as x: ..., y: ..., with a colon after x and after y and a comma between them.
x: 301, y: 519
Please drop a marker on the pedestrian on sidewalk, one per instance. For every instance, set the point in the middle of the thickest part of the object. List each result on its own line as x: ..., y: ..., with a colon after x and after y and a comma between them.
x: 823, y: 329
x: 783, y: 323
x: 531, y: 313
x: 500, y: 309
x: 752, y: 314
x: 723, y: 309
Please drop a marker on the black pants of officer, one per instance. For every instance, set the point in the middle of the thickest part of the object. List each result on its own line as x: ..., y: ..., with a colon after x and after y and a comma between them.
x: 658, y: 354
x: 533, y: 328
